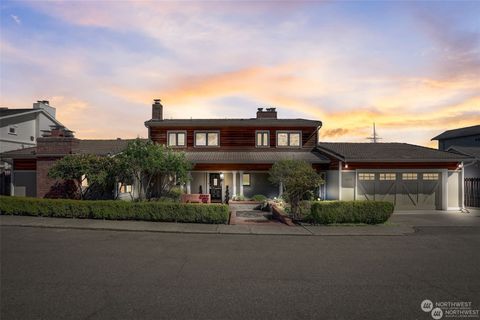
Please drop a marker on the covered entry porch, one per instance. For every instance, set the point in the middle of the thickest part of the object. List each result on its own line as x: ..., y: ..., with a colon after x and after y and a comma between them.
x: 240, y: 183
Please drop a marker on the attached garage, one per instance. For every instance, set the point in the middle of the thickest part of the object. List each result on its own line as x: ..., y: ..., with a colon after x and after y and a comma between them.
x: 412, y: 177
x: 407, y: 190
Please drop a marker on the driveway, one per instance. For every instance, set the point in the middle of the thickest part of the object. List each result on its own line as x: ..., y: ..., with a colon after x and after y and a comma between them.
x: 436, y: 218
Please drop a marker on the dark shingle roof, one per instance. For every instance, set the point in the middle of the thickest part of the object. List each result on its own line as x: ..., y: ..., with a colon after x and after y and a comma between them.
x: 4, y: 112
x: 249, y: 156
x: 101, y: 147
x: 386, y: 152
x: 233, y: 122
x: 97, y: 147
x: 461, y: 132
x: 468, y: 151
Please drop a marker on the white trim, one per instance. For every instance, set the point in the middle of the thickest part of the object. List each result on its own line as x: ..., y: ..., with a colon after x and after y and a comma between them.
x: 18, y: 142
x: 234, y: 182
x: 462, y: 187
x: 241, y: 183
x: 340, y: 168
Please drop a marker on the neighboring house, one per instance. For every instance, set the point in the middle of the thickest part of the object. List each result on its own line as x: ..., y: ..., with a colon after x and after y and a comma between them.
x: 31, y: 165
x: 465, y: 141
x: 20, y: 128
x: 239, y: 152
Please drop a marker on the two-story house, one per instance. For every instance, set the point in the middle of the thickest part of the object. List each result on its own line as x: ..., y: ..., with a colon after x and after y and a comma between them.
x: 239, y: 152
x: 19, y: 129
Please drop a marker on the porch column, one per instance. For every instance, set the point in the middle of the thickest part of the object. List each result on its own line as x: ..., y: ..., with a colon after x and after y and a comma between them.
x: 462, y: 187
x: 280, y: 189
x: 241, y: 183
x: 189, y: 186
x: 340, y: 164
x: 445, y: 189
x: 234, y: 182
x: 207, y: 184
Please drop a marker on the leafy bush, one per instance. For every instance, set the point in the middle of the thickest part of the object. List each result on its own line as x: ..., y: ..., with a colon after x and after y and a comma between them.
x: 369, y: 212
x: 259, y: 197
x: 238, y: 198
x: 115, y: 210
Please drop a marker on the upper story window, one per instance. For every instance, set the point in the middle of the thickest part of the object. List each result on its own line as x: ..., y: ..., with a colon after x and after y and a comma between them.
x: 12, y: 130
x: 262, y: 139
x: 207, y: 139
x: 177, y: 138
x: 288, y: 139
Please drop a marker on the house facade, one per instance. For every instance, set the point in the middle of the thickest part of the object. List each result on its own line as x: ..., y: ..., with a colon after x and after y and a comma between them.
x: 236, y: 154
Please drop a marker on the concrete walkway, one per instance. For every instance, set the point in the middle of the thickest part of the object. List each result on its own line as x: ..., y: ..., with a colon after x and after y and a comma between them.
x: 168, y: 227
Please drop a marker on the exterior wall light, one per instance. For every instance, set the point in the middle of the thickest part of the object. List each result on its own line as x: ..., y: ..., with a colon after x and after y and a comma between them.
x: 346, y: 165
x: 222, y: 176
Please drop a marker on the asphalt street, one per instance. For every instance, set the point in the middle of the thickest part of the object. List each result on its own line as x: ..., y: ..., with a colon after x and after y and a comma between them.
x: 93, y: 274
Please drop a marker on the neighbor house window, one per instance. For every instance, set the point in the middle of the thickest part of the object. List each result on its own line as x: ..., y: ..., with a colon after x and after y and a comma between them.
x: 288, y: 139
x: 263, y: 139
x: 177, y: 139
x: 409, y: 176
x: 366, y: 176
x: 387, y: 176
x: 207, y: 139
x: 246, y: 179
x: 12, y: 130
x: 125, y: 188
x: 430, y: 176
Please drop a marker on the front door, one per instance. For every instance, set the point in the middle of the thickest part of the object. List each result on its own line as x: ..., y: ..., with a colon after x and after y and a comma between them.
x: 215, y: 187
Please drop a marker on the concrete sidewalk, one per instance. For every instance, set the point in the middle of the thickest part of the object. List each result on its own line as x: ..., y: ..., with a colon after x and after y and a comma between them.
x: 168, y: 227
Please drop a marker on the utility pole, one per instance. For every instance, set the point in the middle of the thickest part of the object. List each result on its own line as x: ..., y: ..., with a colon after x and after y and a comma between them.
x: 374, y: 138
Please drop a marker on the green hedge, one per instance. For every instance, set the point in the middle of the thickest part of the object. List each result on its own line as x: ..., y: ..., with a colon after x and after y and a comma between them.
x: 369, y: 212
x: 115, y: 210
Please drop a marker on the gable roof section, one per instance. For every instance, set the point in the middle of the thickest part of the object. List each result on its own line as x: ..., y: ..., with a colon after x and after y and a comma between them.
x: 386, y: 152
x: 10, y: 113
x: 233, y: 122
x: 460, y: 132
x: 468, y: 151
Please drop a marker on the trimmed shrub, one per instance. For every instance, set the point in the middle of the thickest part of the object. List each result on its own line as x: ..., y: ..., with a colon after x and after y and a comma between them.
x: 115, y: 210
x: 369, y: 212
x: 259, y: 197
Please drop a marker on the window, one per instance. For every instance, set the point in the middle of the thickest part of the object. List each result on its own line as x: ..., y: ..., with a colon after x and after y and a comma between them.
x: 12, y: 130
x: 387, y: 176
x: 430, y: 176
x: 288, y: 139
x: 207, y: 139
x: 409, y: 176
x: 125, y: 188
x: 263, y: 139
x: 176, y: 139
x: 366, y: 176
x: 84, y: 180
x: 246, y: 179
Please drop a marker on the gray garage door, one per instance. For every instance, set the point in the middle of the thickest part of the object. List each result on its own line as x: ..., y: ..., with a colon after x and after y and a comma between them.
x: 407, y: 190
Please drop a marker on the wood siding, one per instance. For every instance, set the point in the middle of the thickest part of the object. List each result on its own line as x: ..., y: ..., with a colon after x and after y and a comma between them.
x: 401, y: 165
x: 235, y: 137
x: 25, y: 164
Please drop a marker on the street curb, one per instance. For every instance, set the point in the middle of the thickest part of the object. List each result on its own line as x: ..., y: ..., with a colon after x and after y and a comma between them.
x: 180, y: 228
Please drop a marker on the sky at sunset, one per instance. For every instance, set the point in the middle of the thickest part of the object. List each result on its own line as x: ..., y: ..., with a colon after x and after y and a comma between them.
x: 413, y: 68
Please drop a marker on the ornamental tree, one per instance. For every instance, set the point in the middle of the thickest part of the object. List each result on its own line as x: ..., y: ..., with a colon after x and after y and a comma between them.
x: 298, y: 179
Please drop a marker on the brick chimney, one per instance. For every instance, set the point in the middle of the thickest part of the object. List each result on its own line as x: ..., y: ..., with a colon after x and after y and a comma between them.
x: 56, y: 141
x: 269, y: 113
x: 157, y: 110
